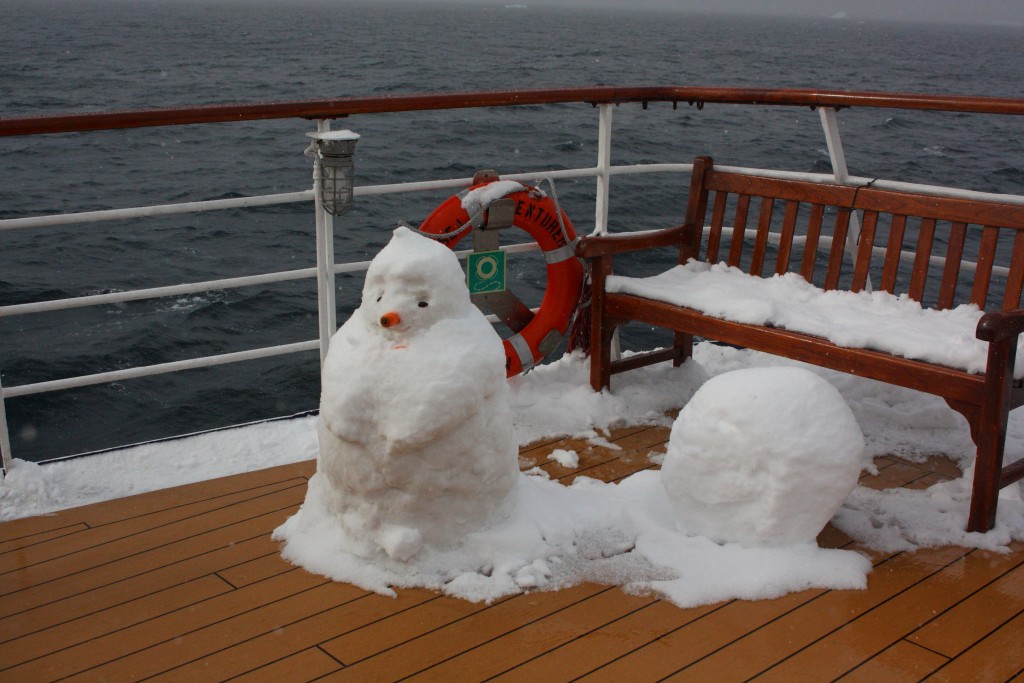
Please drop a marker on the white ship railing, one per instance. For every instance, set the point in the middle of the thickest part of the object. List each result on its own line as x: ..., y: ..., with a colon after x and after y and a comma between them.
x: 326, y: 267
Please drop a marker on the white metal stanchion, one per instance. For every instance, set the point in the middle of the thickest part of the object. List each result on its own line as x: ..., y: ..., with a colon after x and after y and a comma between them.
x: 333, y: 192
x: 830, y: 124
x: 604, y: 163
x: 5, y: 437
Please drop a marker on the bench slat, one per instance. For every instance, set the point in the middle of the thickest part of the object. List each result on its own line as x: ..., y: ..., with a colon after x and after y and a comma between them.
x: 811, y: 245
x: 788, y: 190
x: 919, y: 275
x: 943, y: 208
x: 717, y: 220
x: 739, y: 226
x: 951, y: 272
x: 867, y: 242
x: 1015, y: 281
x: 983, y: 271
x: 835, y: 261
x: 786, y: 238
x: 934, y: 379
x: 764, y: 224
x: 892, y: 253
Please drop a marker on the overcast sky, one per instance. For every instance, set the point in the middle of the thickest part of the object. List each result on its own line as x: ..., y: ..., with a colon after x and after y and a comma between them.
x: 958, y: 11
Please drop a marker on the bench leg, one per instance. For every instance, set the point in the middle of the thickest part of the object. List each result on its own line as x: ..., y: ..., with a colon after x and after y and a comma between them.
x: 683, y: 344
x: 600, y: 352
x: 990, y: 435
x: 601, y: 329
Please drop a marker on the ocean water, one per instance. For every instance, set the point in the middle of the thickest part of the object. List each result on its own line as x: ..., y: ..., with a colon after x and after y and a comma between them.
x: 60, y: 56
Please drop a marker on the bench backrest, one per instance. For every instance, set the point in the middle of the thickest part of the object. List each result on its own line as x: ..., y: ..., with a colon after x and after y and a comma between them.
x: 805, y: 226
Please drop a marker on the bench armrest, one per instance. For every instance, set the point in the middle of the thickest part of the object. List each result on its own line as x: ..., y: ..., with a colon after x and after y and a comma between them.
x: 997, y: 325
x: 607, y: 245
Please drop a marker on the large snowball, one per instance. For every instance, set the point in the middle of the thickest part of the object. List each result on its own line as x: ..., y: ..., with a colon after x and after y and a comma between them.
x: 762, y: 457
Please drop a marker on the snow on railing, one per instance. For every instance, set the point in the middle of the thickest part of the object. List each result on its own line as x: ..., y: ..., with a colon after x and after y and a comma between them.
x: 602, y: 171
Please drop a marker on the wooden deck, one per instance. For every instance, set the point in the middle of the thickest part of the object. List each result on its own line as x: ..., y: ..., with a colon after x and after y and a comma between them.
x: 185, y: 584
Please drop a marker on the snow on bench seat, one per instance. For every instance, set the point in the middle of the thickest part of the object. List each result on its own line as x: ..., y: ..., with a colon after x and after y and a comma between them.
x: 880, y: 321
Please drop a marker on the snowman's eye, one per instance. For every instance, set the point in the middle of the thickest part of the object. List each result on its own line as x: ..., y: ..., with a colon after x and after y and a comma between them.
x: 423, y: 304
x: 380, y: 297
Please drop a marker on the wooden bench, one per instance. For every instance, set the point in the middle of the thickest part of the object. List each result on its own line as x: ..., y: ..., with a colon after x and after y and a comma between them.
x: 809, y: 236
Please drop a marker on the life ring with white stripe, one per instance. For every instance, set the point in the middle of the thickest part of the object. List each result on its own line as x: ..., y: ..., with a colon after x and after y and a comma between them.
x: 543, y: 219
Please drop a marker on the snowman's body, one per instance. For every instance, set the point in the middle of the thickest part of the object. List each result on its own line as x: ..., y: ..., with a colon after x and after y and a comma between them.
x: 415, y: 430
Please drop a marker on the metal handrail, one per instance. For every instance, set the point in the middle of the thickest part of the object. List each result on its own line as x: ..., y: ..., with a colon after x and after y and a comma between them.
x: 350, y: 106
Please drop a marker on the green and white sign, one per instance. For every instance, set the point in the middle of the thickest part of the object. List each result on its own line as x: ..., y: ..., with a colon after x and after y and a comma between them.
x: 485, y: 272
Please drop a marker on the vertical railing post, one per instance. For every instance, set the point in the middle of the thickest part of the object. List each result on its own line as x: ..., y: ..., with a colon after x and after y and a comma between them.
x: 830, y: 124
x: 5, y: 436
x: 604, y: 163
x: 327, y: 313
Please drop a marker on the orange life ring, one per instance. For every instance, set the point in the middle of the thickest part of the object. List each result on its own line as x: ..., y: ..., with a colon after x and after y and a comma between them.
x: 537, y: 214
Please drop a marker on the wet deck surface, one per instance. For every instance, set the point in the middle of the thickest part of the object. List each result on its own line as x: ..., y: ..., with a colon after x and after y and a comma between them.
x: 186, y: 584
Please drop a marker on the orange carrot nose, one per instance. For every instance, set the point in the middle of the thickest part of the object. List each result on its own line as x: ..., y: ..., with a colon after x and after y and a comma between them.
x: 390, y: 319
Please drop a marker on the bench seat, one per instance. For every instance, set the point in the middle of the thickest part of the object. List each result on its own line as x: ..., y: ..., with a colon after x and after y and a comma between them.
x: 865, y: 320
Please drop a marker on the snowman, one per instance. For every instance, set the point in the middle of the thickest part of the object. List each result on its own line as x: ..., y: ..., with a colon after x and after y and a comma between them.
x: 415, y: 429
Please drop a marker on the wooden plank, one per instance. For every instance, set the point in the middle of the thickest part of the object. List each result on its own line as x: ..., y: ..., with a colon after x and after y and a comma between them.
x: 22, y: 542
x: 432, y: 648
x: 807, y: 264
x: 941, y: 208
x: 955, y: 630
x: 104, y: 597
x: 891, y: 265
x: 97, y: 624
x: 715, y: 234
x: 153, y: 551
x: 104, y: 540
x: 307, y: 665
x: 536, y: 638
x: 983, y: 271
x: 609, y: 465
x: 258, y: 569
x: 951, y: 271
x: 837, y: 254
x: 919, y: 275
x: 104, y: 657
x: 722, y: 624
x: 1015, y: 281
x: 788, y: 190
x: 862, y: 268
x: 778, y: 641
x: 786, y: 237
x: 738, y: 228
x: 400, y: 628
x: 613, y: 470
x: 607, y: 643
x: 114, y: 511
x: 106, y: 512
x: 764, y: 224
x: 902, y: 662
x: 999, y: 657
x: 233, y: 647
x: 26, y: 527
x: 858, y: 641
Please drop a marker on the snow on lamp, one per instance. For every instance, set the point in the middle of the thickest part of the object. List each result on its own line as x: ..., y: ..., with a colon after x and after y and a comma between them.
x: 333, y: 151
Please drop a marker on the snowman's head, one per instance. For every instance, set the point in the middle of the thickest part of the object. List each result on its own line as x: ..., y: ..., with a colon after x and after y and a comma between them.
x: 411, y: 284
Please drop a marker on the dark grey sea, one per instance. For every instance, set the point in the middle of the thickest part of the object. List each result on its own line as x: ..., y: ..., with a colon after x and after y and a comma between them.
x: 62, y: 56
